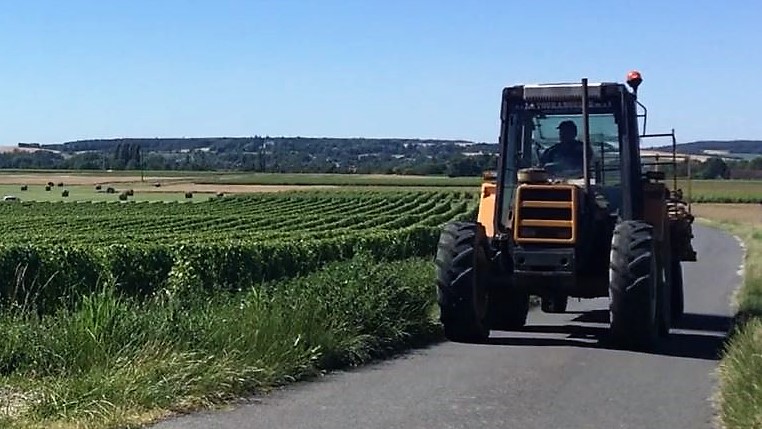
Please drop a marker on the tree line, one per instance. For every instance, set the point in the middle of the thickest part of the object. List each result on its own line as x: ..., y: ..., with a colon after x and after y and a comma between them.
x: 305, y: 155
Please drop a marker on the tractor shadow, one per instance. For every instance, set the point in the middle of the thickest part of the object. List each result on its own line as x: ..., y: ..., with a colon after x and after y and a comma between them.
x: 706, y: 342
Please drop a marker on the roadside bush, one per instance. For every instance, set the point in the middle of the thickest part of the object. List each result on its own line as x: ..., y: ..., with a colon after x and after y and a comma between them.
x: 110, y: 360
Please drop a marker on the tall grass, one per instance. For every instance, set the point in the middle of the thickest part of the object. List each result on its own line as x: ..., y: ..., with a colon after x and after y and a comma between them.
x: 110, y: 360
x: 740, y: 384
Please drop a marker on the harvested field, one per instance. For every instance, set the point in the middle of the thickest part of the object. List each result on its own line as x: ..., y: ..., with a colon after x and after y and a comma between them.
x: 741, y: 213
x: 77, y: 179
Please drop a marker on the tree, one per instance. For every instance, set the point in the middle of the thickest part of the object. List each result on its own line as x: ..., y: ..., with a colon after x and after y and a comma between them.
x: 715, y: 168
x: 756, y: 163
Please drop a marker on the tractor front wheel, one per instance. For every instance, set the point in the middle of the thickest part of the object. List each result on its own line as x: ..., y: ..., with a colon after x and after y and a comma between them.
x: 508, y: 305
x: 634, y: 285
x: 462, y: 269
x: 677, y: 303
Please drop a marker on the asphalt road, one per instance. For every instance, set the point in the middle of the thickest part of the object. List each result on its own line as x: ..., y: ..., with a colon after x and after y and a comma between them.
x: 558, y: 372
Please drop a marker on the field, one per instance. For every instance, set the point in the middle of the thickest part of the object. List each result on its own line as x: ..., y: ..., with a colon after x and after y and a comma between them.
x: 174, y: 184
x: 227, y: 242
x: 723, y: 191
x: 104, y: 302
x: 121, y: 312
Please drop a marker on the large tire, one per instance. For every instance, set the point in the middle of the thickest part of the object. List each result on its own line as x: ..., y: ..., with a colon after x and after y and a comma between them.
x: 677, y: 303
x: 664, y: 314
x: 508, y: 306
x: 461, y: 270
x: 633, y: 285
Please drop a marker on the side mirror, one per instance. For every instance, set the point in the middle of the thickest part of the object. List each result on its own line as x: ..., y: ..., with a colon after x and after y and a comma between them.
x: 489, y: 176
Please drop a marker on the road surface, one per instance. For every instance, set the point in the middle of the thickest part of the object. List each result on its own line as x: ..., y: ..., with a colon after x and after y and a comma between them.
x: 558, y: 372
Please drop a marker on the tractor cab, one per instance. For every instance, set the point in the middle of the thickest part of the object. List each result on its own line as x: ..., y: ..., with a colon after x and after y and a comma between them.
x: 547, y: 139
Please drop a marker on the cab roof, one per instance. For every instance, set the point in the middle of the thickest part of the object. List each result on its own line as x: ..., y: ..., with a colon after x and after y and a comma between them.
x: 562, y: 91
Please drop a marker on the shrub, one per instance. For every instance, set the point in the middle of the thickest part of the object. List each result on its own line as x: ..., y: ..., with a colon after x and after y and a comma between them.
x: 24, y: 187
x: 189, y: 195
x: 110, y: 190
x: 123, y: 196
x: 130, y: 192
x: 47, y: 188
x: 65, y: 193
x: 98, y: 187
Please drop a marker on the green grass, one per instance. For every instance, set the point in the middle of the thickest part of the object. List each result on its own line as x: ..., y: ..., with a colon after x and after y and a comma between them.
x: 740, y: 388
x: 723, y: 191
x: 112, y: 361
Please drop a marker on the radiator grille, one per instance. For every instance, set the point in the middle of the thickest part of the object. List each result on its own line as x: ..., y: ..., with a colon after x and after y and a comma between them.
x: 545, y: 214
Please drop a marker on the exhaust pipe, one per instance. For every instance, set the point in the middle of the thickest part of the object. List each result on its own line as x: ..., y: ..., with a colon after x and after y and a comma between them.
x: 585, y: 133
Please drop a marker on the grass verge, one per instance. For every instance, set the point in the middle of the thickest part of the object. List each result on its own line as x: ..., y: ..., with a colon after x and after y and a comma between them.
x: 740, y: 370
x: 115, y: 362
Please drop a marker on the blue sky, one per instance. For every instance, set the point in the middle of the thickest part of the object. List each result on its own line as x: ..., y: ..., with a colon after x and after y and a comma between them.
x: 391, y: 68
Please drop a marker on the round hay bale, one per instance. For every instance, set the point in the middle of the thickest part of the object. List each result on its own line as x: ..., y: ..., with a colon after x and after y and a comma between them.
x: 157, y: 185
x: 51, y: 184
x: 110, y: 190
x: 65, y: 193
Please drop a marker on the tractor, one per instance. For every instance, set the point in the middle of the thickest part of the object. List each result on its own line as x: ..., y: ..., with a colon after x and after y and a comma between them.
x: 568, y: 216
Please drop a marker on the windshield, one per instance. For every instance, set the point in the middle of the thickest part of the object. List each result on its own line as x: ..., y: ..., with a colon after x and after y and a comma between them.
x: 538, y: 139
x: 554, y: 142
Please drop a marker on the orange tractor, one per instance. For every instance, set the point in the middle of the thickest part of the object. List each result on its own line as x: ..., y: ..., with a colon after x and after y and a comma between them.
x: 569, y: 216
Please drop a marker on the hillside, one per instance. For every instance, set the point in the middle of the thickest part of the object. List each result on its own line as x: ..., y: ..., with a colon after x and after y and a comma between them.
x: 737, y: 148
x: 262, y: 154
x: 352, y: 145
x: 247, y: 144
x: 309, y: 155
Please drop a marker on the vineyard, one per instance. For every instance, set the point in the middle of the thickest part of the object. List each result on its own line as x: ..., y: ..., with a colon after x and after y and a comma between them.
x: 53, y: 251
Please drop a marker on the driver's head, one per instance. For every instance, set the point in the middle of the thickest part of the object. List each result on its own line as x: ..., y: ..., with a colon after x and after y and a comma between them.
x: 567, y: 131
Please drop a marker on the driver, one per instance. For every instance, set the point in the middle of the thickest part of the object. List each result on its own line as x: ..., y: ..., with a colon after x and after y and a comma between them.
x: 569, y: 151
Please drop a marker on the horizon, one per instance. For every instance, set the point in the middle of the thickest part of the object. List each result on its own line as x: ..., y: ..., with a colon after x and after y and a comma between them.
x: 43, y: 145
x: 429, y: 70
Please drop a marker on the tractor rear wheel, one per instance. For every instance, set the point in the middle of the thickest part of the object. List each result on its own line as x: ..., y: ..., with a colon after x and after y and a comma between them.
x: 677, y: 303
x: 554, y: 303
x: 462, y: 271
x: 508, y: 306
x: 634, y: 285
